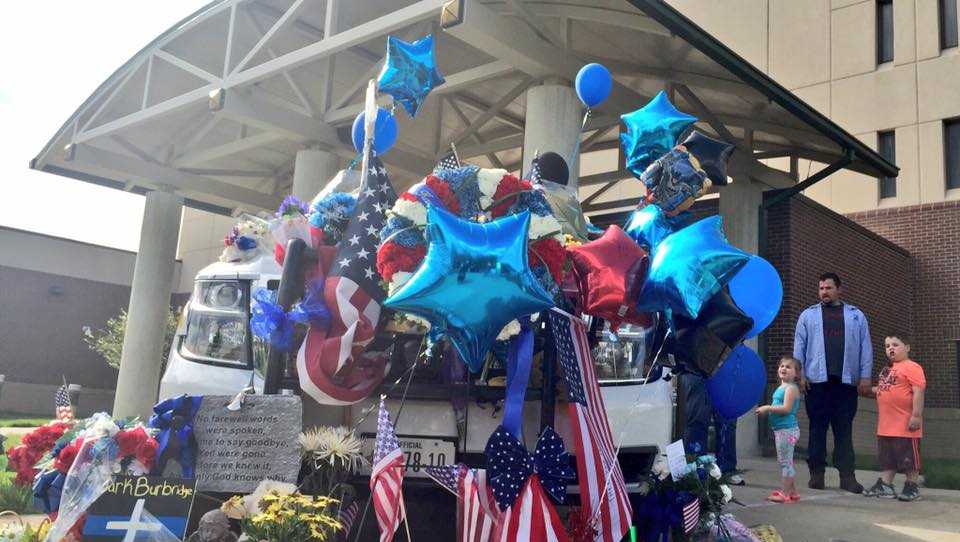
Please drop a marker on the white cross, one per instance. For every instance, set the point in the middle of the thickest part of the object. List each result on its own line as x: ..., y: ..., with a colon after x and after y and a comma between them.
x: 134, y: 525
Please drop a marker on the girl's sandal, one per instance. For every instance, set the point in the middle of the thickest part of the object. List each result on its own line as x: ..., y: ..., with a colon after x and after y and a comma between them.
x: 778, y: 496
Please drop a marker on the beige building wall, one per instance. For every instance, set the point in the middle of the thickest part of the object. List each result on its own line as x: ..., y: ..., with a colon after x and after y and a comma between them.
x: 824, y: 51
x: 201, y: 241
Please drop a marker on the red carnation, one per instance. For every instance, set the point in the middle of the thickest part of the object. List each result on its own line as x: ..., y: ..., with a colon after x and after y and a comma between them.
x: 147, y: 452
x: 548, y: 251
x: 131, y: 440
x: 393, y: 257
x: 407, y: 196
x: 443, y: 191
x: 67, y: 456
x: 506, y: 194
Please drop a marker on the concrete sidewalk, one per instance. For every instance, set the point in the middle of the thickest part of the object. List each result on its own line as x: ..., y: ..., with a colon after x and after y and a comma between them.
x: 835, y: 515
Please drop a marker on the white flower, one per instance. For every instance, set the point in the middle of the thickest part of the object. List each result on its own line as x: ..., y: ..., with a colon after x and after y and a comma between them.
x: 101, y: 425
x: 414, y: 211
x: 715, y: 471
x: 251, y: 503
x: 543, y: 226
x: 488, y: 180
x: 660, y: 468
x: 727, y: 494
x: 337, y: 446
x: 512, y: 328
x: 398, y: 280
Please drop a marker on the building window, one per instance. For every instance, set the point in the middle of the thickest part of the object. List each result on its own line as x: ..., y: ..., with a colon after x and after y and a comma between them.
x: 951, y: 152
x: 887, y: 146
x: 884, y: 31
x: 948, y: 24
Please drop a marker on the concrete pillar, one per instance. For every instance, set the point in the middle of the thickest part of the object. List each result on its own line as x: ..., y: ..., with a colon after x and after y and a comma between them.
x: 153, y: 273
x: 553, y: 119
x: 311, y: 171
x: 740, y: 208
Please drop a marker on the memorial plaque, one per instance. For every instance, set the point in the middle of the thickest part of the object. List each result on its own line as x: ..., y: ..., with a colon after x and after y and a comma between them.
x: 238, y: 449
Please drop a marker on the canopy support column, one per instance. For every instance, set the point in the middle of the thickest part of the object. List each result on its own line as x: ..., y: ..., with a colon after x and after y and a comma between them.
x: 311, y: 171
x: 553, y: 123
x: 140, y: 361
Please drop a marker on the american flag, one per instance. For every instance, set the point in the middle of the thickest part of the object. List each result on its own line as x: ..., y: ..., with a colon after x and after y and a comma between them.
x: 346, y: 517
x: 477, y: 513
x: 691, y: 515
x: 327, y: 363
x: 449, y: 161
x: 532, y: 518
x: 386, y: 478
x: 62, y: 408
x: 603, y: 493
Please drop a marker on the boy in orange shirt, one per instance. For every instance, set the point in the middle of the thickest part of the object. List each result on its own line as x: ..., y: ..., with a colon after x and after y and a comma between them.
x: 899, y: 396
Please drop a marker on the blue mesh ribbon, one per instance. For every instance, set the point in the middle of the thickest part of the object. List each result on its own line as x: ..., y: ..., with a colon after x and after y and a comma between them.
x: 312, y: 309
x: 174, y: 418
x: 658, y: 512
x: 269, y: 321
x: 47, y: 487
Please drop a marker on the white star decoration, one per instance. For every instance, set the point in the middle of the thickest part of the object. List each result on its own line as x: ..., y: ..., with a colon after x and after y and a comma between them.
x: 368, y: 272
x: 371, y: 231
x: 368, y: 192
x: 363, y: 216
x: 355, y: 240
x: 344, y: 262
x: 363, y: 254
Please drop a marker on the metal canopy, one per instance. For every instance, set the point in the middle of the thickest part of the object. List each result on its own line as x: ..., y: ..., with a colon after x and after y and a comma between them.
x: 217, y: 107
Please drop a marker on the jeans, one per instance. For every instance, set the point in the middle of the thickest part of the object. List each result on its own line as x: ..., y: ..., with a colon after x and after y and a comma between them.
x: 831, y: 404
x: 698, y: 415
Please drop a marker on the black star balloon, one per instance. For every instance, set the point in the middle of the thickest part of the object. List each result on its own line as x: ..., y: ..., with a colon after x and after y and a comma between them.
x: 702, y: 344
x: 712, y: 154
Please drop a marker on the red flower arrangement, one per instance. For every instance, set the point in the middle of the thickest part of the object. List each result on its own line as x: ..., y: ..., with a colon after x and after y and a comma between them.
x: 442, y: 190
x: 506, y: 195
x: 552, y: 254
x: 67, y: 455
x: 32, y: 448
x: 393, y: 257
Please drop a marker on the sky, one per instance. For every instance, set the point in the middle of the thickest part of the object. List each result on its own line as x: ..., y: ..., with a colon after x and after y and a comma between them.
x: 53, y: 55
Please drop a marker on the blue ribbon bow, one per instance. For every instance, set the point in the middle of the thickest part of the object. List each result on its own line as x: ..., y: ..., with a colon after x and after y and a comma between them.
x: 509, y: 462
x: 174, y: 418
x: 312, y: 309
x: 510, y: 465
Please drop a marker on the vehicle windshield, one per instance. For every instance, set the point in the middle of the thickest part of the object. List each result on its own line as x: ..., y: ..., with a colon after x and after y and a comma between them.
x: 217, y: 323
x: 620, y: 358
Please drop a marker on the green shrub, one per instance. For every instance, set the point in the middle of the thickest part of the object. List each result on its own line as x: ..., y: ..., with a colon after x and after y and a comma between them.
x: 16, y: 498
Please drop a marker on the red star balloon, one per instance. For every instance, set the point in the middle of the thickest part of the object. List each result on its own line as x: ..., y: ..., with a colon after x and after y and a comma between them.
x: 610, y: 272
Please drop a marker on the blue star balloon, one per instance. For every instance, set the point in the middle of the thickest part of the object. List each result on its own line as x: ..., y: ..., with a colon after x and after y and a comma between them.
x: 474, y: 280
x: 409, y: 72
x: 650, y: 225
x: 652, y: 130
x: 689, y: 267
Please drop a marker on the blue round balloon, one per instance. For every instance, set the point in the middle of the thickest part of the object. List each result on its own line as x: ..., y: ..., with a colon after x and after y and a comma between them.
x: 738, y: 384
x: 758, y: 291
x: 384, y: 131
x: 593, y: 84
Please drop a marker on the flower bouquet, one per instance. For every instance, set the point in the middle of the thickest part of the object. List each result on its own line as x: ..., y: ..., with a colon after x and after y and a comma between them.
x: 290, y: 223
x: 283, y: 515
x: 330, y: 456
x: 244, y: 242
x: 690, y: 506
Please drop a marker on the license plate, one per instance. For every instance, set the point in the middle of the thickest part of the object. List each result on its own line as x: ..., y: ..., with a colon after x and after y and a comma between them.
x: 419, y: 452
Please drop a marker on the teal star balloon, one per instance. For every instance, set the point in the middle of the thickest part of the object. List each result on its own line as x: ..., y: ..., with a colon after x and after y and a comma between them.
x: 409, y: 72
x: 473, y: 281
x: 651, y: 132
x: 689, y: 267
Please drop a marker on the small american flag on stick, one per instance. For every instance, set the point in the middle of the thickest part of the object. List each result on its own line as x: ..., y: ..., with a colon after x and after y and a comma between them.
x: 63, y: 410
x: 386, y: 478
x: 691, y: 515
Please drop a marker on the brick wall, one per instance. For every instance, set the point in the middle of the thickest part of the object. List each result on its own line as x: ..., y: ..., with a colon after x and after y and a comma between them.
x: 931, y: 232
x: 805, y: 239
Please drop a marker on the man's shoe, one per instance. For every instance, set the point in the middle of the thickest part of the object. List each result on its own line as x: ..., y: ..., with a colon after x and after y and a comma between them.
x: 850, y: 483
x: 816, y: 480
x: 881, y: 489
x: 736, y: 480
x: 911, y: 492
